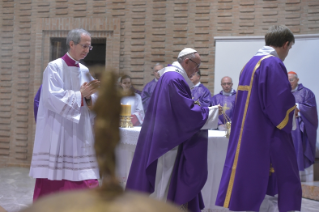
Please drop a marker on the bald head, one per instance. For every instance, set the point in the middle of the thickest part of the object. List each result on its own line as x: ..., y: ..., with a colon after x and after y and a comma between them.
x: 227, y: 84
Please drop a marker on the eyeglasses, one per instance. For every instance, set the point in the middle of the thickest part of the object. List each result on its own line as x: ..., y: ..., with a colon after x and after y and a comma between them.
x: 195, y: 63
x: 86, y: 47
x: 227, y: 83
x: 291, y: 80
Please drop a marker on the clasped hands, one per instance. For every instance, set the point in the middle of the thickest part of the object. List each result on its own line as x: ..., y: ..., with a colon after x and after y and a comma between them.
x: 88, y: 88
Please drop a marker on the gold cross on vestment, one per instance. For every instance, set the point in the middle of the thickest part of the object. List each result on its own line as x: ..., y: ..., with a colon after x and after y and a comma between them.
x: 225, y: 107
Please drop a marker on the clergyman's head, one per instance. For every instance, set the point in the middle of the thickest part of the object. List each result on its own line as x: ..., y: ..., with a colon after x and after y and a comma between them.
x: 281, y: 39
x: 293, y: 79
x: 189, y: 60
x: 78, y: 43
x: 156, y: 68
x: 227, y: 84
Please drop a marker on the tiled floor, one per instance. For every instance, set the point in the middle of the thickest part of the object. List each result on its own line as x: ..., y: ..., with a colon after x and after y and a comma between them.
x: 16, y: 192
x: 16, y: 188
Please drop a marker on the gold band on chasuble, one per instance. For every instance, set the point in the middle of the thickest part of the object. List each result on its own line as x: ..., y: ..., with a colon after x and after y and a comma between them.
x: 286, y: 119
x: 234, y: 167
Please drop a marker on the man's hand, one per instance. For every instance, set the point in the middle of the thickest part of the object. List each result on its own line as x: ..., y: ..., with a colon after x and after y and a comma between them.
x: 87, y: 89
x: 220, y: 110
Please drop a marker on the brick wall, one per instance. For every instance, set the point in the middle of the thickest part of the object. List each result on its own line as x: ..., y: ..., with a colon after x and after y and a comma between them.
x: 139, y: 34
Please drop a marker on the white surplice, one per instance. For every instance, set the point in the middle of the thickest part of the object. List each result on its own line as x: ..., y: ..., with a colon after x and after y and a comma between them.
x: 165, y: 163
x: 63, y: 146
x: 136, y: 106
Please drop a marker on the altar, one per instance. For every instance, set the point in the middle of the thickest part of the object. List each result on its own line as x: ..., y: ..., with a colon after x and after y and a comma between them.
x: 217, y: 148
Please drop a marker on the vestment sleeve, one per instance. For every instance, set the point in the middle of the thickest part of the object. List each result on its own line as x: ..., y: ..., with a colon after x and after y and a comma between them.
x: 275, y: 94
x: 66, y: 103
x: 189, y: 116
x: 145, y: 96
x: 139, y: 111
x: 205, y: 98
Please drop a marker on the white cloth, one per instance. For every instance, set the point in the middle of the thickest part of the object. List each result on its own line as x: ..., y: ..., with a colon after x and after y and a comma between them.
x: 63, y: 146
x: 212, y: 120
x: 136, y: 106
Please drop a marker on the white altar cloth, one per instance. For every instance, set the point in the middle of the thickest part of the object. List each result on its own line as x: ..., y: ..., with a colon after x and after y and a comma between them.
x: 217, y: 148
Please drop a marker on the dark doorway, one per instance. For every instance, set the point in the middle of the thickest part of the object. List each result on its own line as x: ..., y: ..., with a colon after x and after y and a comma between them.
x: 95, y: 60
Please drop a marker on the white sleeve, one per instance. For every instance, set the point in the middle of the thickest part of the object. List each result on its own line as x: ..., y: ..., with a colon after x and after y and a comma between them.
x: 66, y: 103
x: 294, y: 126
x: 212, y: 120
x: 139, y: 111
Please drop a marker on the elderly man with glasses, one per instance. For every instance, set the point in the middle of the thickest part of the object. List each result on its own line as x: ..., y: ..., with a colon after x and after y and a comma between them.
x: 170, y: 160
x: 305, y: 135
x: 225, y: 98
x: 63, y: 155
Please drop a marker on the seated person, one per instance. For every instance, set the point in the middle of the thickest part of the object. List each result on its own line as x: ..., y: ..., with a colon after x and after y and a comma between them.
x: 133, y: 99
x: 226, y: 98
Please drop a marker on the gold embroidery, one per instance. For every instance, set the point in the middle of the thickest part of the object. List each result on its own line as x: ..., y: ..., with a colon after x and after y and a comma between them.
x: 286, y: 119
x: 225, y: 107
x: 271, y: 170
x: 234, y: 167
x: 243, y: 88
x: 197, y: 103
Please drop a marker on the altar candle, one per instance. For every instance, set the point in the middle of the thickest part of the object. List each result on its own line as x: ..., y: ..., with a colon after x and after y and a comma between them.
x: 125, y: 110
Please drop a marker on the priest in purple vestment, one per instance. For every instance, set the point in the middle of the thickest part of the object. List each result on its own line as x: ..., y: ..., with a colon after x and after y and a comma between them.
x: 225, y: 98
x: 199, y: 92
x: 36, y: 103
x: 261, y: 158
x: 149, y: 87
x: 305, y: 136
x: 170, y: 160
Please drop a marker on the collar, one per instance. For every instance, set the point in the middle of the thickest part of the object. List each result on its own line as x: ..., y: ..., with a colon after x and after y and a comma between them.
x: 197, y: 84
x: 155, y: 79
x: 227, y: 94
x: 176, y: 66
x: 70, y: 61
x: 296, y: 88
x: 266, y: 50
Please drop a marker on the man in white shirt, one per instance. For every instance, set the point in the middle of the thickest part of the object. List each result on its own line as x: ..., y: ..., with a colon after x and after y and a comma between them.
x: 63, y: 155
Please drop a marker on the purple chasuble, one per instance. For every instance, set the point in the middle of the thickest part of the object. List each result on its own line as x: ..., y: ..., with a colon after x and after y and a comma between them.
x: 171, y: 120
x: 260, y: 151
x: 305, y: 135
x: 202, y: 94
x: 147, y: 93
x: 36, y: 103
x: 227, y: 102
